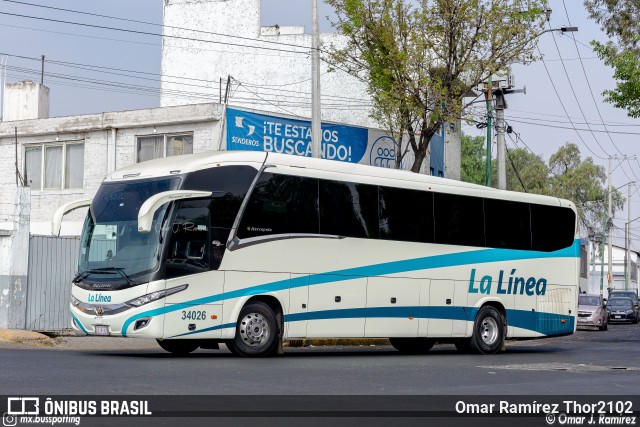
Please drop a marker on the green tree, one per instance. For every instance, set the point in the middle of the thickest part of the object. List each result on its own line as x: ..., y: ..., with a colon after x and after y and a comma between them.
x: 531, y: 168
x: 620, y: 20
x: 421, y: 58
x: 581, y: 181
x: 472, y: 159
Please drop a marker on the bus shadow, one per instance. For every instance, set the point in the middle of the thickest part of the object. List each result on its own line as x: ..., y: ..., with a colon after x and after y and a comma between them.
x: 326, y: 353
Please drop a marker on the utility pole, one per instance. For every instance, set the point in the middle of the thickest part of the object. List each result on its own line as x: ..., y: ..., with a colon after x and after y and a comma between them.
x: 602, y: 238
x: 487, y: 180
x: 496, y: 88
x: 316, y: 126
x: 626, y: 240
x: 610, y: 273
x: 42, y: 72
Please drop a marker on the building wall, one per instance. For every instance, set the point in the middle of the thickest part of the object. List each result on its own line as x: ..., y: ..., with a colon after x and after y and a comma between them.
x: 96, y: 132
x: 25, y: 100
x: 268, y: 80
x: 617, y: 266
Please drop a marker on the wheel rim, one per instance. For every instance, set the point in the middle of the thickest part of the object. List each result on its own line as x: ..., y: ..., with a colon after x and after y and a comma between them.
x: 489, y: 330
x: 254, y: 329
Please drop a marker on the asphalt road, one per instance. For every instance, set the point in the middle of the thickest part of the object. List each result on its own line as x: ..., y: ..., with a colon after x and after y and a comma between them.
x: 586, y: 363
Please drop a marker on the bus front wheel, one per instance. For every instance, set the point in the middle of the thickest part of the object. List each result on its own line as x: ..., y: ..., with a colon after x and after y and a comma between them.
x: 488, y: 331
x: 257, y: 331
x: 179, y: 347
x: 412, y: 345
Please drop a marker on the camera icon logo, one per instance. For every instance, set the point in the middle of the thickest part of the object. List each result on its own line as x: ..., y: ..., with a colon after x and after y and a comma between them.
x: 9, y: 420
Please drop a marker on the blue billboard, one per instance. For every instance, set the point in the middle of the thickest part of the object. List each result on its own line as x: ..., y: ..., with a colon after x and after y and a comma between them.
x: 260, y: 132
x: 247, y: 130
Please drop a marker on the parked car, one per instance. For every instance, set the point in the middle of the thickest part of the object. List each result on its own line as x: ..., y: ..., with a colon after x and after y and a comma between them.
x: 625, y: 294
x: 622, y: 310
x: 592, y: 312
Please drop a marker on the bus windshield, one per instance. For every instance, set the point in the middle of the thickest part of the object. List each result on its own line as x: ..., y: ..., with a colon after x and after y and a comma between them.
x: 111, y: 248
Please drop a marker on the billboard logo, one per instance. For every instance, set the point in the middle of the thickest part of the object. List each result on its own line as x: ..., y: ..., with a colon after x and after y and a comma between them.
x: 239, y: 124
x: 383, y: 152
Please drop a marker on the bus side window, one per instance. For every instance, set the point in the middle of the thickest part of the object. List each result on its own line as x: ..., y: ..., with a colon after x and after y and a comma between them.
x: 189, y: 239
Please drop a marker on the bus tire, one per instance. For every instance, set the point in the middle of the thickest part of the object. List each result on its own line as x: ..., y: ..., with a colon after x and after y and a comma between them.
x: 257, y: 331
x: 412, y: 345
x: 488, y: 331
x: 179, y: 347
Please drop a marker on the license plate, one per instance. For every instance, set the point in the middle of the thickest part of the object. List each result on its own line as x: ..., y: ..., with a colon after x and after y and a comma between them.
x: 102, y: 330
x: 617, y: 317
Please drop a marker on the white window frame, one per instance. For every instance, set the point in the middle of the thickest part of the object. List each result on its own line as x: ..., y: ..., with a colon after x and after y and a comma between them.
x: 43, y: 147
x: 164, y: 136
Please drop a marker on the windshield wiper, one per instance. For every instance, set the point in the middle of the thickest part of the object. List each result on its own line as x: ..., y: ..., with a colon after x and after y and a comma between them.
x: 80, y: 277
x: 105, y: 270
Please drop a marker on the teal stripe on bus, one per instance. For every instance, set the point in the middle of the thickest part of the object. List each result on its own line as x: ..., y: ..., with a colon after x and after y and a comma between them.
x: 79, y: 323
x: 541, y: 322
x: 481, y: 256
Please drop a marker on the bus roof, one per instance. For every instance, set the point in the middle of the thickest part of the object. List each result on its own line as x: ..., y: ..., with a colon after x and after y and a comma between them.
x: 311, y: 167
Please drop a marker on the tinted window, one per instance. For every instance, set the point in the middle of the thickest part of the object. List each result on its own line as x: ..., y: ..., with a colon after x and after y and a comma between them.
x: 507, y: 224
x: 552, y: 227
x: 281, y: 204
x: 459, y: 220
x: 406, y: 215
x: 348, y: 209
x: 229, y: 185
x: 188, y: 249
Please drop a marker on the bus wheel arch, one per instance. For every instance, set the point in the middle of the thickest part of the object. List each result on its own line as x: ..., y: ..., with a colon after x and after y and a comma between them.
x: 489, y: 328
x: 259, y: 328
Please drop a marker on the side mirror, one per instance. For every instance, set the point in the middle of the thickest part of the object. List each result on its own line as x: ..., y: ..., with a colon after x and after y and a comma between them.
x: 153, y: 203
x: 56, y: 223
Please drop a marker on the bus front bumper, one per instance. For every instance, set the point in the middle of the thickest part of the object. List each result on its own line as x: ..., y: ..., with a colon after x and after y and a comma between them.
x: 107, y: 324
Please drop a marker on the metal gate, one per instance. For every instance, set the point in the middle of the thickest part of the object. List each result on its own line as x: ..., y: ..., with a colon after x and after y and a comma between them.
x: 52, y: 263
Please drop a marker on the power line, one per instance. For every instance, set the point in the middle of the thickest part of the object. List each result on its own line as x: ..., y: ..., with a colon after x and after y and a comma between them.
x: 575, y: 129
x: 564, y: 108
x: 575, y: 96
x: 147, y: 33
x: 156, y: 24
x: 586, y: 77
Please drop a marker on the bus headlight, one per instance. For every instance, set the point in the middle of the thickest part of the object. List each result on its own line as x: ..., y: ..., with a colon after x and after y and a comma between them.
x: 74, y: 301
x: 154, y: 296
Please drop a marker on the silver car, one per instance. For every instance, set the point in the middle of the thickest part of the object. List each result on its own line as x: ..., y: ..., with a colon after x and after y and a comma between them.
x: 592, y: 312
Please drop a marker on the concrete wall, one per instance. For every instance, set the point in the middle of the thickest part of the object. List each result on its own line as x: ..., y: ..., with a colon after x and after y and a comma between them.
x: 96, y: 131
x: 25, y: 100
x: 276, y: 80
x: 14, y: 256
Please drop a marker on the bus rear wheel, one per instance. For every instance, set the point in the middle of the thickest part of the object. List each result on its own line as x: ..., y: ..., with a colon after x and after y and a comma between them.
x: 412, y: 345
x: 488, y: 331
x: 257, y: 331
x: 179, y: 347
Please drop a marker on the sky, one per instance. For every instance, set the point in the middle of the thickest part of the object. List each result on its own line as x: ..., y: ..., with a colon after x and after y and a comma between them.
x: 538, y: 118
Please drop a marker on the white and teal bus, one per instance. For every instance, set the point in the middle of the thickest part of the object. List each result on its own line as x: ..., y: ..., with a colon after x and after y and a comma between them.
x: 251, y: 248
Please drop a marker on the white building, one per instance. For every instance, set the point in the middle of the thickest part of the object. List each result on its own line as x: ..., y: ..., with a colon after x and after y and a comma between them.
x: 592, y: 281
x: 66, y: 158
x: 270, y: 68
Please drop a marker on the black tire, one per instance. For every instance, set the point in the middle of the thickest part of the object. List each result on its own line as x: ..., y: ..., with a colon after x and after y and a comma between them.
x: 606, y: 325
x: 463, y: 346
x: 257, y: 331
x: 488, y: 331
x: 412, y: 345
x: 179, y: 347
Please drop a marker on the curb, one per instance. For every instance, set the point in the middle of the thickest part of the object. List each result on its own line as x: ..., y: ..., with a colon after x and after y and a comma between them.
x: 25, y: 337
x: 337, y: 342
